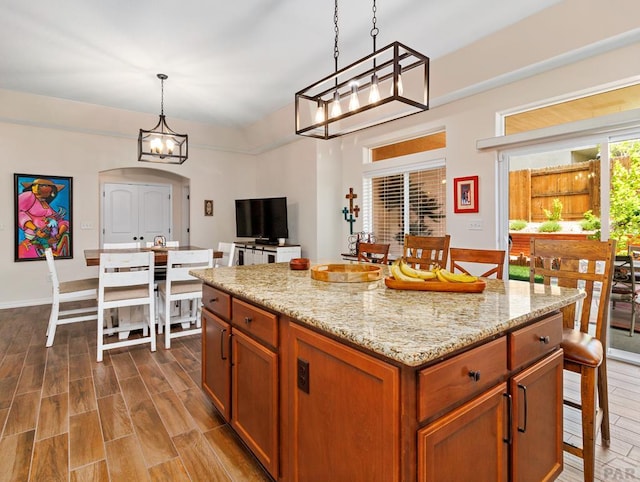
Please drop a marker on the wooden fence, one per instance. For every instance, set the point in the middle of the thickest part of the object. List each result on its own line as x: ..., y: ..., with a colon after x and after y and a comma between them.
x: 577, y: 186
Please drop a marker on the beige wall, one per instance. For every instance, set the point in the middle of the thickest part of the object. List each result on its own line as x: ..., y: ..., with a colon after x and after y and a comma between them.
x: 543, y: 57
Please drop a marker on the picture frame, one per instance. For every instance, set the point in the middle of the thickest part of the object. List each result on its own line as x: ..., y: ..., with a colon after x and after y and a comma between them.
x: 465, y: 194
x: 43, y: 216
x: 208, y: 207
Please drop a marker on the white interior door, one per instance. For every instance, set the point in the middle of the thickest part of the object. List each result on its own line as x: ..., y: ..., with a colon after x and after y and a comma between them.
x: 136, y: 212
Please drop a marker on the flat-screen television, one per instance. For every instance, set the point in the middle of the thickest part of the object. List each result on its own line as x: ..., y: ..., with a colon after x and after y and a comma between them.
x: 264, y: 219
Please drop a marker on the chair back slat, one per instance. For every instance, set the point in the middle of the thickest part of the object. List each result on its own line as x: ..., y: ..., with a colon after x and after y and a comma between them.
x: 425, y: 252
x: 53, y: 274
x: 373, y: 252
x: 479, y: 256
x: 584, y: 264
x: 126, y: 269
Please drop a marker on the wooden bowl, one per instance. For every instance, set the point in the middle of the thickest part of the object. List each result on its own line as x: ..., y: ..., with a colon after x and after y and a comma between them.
x: 346, y: 273
x: 299, y: 263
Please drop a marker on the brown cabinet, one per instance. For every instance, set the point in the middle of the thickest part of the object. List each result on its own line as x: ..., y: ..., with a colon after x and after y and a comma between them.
x: 216, y: 362
x: 467, y: 443
x: 343, y: 412
x: 240, y: 370
x: 537, y: 421
x: 254, y: 399
x: 520, y: 420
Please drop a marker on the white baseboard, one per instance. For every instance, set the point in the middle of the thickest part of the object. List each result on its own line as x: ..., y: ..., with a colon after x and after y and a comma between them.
x: 24, y: 303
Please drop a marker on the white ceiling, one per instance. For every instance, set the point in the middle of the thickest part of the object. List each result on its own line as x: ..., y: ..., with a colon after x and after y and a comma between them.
x: 228, y: 62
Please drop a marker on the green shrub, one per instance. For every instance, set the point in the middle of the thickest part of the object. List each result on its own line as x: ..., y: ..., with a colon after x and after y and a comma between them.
x: 556, y: 211
x: 590, y: 222
x: 549, y: 227
x: 521, y: 273
x: 517, y: 225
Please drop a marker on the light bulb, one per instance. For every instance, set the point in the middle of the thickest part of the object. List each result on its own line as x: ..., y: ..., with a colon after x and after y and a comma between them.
x: 170, y: 146
x: 156, y: 145
x: 400, y: 87
x: 354, y: 102
x: 320, y: 113
x: 336, y: 110
x: 374, y: 93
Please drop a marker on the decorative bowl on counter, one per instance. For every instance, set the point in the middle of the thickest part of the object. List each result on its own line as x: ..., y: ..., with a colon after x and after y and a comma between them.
x: 299, y: 263
x: 346, y: 273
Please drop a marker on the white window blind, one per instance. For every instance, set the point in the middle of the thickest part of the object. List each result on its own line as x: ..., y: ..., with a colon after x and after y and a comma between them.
x: 406, y: 201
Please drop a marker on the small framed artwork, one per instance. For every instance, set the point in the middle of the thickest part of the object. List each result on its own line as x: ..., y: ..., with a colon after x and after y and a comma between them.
x: 43, y: 216
x: 465, y: 194
x: 208, y: 207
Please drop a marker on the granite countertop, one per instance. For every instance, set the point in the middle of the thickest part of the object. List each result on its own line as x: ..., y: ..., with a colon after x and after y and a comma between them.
x: 410, y: 327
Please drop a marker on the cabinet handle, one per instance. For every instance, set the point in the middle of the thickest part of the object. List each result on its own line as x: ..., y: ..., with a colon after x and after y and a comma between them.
x: 474, y: 375
x: 248, y: 319
x: 544, y: 339
x: 222, y: 332
x: 509, y: 438
x: 213, y: 300
x: 526, y: 410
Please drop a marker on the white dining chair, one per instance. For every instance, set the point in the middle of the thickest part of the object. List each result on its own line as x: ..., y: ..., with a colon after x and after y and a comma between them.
x: 126, y: 280
x: 67, y: 292
x: 181, y: 287
x: 228, y: 251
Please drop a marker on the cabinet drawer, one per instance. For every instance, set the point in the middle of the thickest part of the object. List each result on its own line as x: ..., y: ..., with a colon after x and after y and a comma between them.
x: 528, y: 344
x: 460, y: 378
x: 256, y: 321
x: 216, y: 301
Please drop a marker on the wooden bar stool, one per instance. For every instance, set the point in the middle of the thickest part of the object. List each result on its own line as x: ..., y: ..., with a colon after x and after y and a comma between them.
x: 573, y: 263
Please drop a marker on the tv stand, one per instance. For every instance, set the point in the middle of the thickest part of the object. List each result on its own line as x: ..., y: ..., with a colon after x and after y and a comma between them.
x: 250, y: 252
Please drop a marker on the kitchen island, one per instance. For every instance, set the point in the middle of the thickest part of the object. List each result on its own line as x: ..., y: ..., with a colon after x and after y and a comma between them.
x: 355, y: 381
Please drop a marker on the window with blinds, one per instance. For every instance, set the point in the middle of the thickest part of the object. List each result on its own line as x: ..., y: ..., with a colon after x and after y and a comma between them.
x: 408, y: 201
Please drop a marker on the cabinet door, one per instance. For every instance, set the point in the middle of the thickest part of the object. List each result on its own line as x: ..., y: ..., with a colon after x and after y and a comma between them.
x: 537, y: 409
x: 467, y: 444
x: 216, y: 363
x: 254, y: 413
x: 338, y: 390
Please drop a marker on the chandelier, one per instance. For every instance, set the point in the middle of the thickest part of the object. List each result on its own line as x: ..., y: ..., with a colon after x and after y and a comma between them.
x: 388, y: 84
x: 161, y: 144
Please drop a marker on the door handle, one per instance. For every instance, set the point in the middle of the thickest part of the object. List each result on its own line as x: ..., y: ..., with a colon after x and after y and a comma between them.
x: 524, y: 394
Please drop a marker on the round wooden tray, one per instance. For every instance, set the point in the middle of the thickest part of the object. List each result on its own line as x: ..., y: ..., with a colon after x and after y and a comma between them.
x: 346, y: 273
x: 475, y: 287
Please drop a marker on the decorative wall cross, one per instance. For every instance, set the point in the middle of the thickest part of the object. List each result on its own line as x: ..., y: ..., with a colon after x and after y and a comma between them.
x: 351, y: 210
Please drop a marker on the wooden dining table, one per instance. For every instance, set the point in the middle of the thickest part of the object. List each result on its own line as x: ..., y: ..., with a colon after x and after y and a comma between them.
x: 92, y: 256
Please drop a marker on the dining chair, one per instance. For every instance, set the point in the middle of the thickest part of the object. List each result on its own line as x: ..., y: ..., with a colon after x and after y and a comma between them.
x: 624, y: 288
x: 67, y: 292
x: 493, y: 257
x: 126, y: 280
x: 426, y: 252
x: 228, y: 252
x: 588, y: 265
x: 181, y: 287
x: 373, y: 252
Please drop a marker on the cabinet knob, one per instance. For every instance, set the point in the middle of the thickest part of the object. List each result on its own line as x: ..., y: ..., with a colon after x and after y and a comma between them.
x: 544, y: 339
x: 474, y: 375
x: 247, y: 319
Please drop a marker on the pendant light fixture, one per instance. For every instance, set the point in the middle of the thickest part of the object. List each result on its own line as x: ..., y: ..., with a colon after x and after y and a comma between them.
x: 388, y: 84
x: 161, y: 144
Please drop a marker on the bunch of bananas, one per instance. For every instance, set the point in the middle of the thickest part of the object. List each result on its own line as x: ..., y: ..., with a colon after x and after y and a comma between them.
x: 401, y: 271
x: 449, y: 277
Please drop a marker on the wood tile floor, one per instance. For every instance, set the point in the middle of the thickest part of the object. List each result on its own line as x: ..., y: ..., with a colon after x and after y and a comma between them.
x: 142, y: 416
x: 137, y: 416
